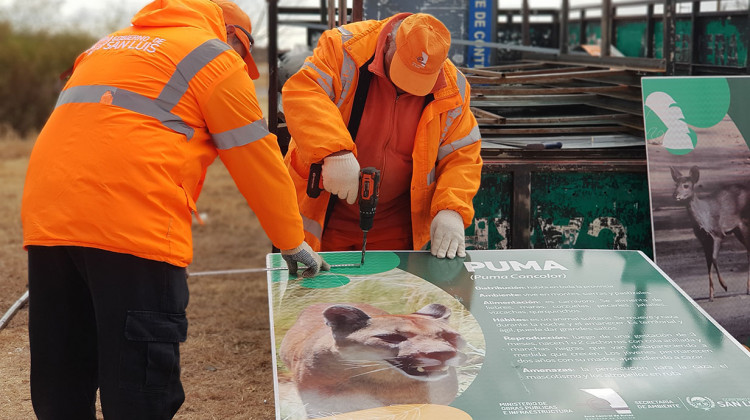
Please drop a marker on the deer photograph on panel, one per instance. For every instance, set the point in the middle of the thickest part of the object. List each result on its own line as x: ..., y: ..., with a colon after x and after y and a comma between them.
x: 698, y: 152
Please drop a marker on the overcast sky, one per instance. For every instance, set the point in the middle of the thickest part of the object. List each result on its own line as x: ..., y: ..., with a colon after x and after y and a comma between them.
x: 103, y: 16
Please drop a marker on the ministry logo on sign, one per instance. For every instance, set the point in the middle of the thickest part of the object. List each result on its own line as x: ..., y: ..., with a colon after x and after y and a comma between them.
x: 702, y: 403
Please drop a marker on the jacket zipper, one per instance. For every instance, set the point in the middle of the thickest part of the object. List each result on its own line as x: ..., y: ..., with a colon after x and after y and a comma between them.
x: 390, y: 132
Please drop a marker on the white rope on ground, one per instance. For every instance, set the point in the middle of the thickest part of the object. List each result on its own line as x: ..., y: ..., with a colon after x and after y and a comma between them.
x: 257, y: 270
x: 14, y: 309
x: 235, y: 271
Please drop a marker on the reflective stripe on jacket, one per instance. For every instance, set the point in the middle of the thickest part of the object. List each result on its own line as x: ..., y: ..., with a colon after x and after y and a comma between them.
x: 122, y: 159
x: 446, y: 157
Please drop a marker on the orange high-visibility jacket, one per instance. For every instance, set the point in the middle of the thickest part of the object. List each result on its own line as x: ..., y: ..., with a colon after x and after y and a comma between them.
x: 122, y: 159
x: 317, y: 103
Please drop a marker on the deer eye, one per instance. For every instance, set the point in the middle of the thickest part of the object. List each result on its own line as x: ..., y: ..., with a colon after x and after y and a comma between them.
x: 392, y: 338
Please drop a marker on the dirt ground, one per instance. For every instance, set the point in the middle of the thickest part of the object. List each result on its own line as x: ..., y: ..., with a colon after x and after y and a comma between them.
x: 226, y: 361
x: 723, y: 159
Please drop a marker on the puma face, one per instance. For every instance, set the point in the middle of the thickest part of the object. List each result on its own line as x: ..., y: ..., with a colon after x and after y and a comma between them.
x: 421, y: 346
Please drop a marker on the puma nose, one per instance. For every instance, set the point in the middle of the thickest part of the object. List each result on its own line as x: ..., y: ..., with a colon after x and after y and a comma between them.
x: 441, y: 356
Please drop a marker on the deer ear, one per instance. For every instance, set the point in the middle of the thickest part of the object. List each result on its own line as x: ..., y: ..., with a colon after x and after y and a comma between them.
x: 675, y: 173
x: 694, y: 174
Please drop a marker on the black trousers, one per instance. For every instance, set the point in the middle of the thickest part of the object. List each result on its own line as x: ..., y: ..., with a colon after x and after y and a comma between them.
x: 100, y: 319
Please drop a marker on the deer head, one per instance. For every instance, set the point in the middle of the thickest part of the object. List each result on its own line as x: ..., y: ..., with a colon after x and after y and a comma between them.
x: 683, y: 188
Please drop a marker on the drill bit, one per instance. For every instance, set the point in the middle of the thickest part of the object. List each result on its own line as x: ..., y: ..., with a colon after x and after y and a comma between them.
x: 364, y: 244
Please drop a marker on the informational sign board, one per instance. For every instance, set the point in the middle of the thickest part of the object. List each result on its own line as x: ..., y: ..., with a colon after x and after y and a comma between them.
x: 499, y: 334
x: 482, y: 18
x: 698, y: 152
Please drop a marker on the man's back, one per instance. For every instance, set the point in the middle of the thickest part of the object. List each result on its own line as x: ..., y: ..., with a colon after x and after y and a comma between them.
x: 122, y: 152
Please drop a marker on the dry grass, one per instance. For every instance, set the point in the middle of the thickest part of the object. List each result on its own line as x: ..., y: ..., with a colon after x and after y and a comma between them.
x: 14, y: 342
x: 227, y: 371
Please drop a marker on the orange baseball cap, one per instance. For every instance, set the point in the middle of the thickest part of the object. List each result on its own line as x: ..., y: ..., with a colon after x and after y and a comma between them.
x: 422, y: 44
x: 233, y: 15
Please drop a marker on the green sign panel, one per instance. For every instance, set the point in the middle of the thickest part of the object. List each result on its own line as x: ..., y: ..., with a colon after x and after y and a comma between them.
x: 500, y: 334
x: 698, y: 146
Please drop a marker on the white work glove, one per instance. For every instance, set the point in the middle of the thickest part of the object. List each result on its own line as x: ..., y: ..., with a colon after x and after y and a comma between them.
x: 447, y: 235
x: 305, y: 255
x: 341, y: 176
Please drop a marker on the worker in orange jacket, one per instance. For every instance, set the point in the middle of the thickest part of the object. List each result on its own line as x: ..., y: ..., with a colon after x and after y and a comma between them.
x: 110, y: 191
x: 384, y: 94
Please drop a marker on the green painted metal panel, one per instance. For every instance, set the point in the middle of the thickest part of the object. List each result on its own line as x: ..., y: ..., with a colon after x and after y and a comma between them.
x: 574, y: 31
x: 715, y: 41
x: 569, y: 210
x: 683, y: 41
x: 593, y: 33
x: 591, y: 210
x: 540, y: 35
x: 723, y: 41
x: 630, y: 38
x: 492, y: 210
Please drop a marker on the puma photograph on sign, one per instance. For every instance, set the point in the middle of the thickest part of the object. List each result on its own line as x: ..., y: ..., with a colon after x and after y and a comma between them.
x: 382, y: 345
x: 350, y: 357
